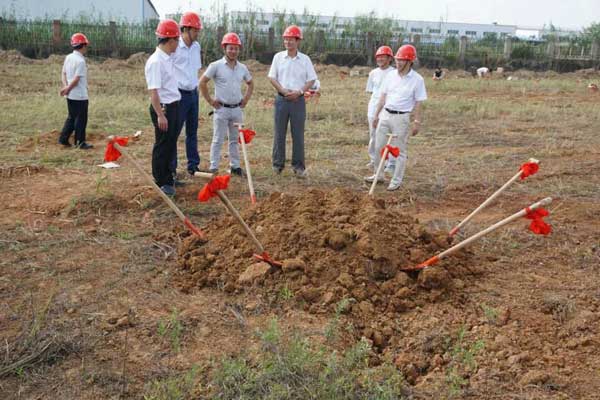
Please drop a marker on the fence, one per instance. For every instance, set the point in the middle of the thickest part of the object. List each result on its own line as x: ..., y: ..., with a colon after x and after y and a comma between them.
x: 38, y: 39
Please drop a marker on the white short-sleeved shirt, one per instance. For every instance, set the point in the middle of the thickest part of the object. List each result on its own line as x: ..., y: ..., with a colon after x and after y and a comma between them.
x: 374, y: 82
x: 292, y: 72
x: 73, y: 66
x: 160, y: 75
x: 187, y: 63
x: 228, y: 81
x: 482, y: 71
x: 402, y: 92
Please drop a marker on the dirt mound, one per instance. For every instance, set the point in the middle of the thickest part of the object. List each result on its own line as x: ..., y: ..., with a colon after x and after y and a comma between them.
x: 53, y: 59
x: 138, y: 58
x: 48, y: 139
x: 334, y: 245
x: 14, y: 57
x: 588, y: 73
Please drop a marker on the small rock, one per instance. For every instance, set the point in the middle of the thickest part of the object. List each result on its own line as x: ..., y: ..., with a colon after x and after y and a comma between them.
x: 433, y: 278
x: 403, y: 293
x: 328, y: 298
x: 254, y: 272
x: 251, y: 306
x: 337, y: 239
x: 310, y: 294
x: 293, y: 264
x: 123, y: 322
x: 345, y: 280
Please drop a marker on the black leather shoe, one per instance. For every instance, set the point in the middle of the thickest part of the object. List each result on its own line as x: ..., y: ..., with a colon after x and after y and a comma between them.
x: 84, y: 146
x: 64, y: 142
x: 237, y: 171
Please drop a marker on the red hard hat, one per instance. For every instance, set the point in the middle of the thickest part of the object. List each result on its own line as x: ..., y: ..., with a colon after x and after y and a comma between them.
x: 167, y: 28
x: 384, y: 51
x: 78, y: 39
x: 406, y: 52
x: 231, y: 38
x: 190, y: 19
x: 293, y: 31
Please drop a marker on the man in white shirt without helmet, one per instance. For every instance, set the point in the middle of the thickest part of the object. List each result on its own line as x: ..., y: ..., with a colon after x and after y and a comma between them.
x: 228, y: 74
x: 383, y: 57
x: 164, y: 103
x: 401, y: 96
x: 187, y: 63
x: 74, y: 79
x: 291, y: 74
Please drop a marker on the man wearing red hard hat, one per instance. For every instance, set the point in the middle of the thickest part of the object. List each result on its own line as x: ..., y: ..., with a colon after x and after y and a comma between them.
x: 74, y: 79
x: 401, y: 95
x: 228, y: 75
x: 187, y: 63
x: 383, y: 56
x: 291, y: 74
x: 164, y: 103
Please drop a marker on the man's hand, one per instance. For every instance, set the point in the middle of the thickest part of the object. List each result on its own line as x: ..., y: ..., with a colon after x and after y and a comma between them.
x: 293, y: 95
x: 163, y: 124
x: 375, y: 122
x: 416, y: 127
x: 244, y: 102
x: 64, y: 91
x: 215, y: 103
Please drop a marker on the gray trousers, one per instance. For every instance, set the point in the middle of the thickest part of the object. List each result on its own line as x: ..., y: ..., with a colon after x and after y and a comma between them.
x: 293, y: 112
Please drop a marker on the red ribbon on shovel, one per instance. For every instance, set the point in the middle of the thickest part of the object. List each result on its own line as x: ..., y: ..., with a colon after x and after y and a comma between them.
x: 538, y: 225
x: 248, y: 135
x: 528, y: 169
x: 395, y: 151
x: 210, y: 189
x: 112, y: 154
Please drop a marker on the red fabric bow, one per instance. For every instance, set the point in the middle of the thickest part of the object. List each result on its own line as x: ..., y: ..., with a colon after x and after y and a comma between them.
x: 210, y: 189
x: 112, y: 154
x: 529, y: 168
x: 395, y: 151
x: 248, y: 135
x: 538, y: 225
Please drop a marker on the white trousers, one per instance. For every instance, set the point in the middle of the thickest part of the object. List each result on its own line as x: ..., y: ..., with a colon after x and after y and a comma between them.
x: 395, y: 124
x: 223, y: 120
x: 391, y: 162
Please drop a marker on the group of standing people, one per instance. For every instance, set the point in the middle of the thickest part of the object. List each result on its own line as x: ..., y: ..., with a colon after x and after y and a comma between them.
x: 172, y: 80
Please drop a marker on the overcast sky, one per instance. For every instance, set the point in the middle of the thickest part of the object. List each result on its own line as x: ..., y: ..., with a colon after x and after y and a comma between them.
x: 572, y: 14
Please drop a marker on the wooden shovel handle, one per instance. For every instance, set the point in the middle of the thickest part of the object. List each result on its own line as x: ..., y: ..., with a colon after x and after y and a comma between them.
x: 247, y: 164
x: 380, y: 166
x: 259, y: 247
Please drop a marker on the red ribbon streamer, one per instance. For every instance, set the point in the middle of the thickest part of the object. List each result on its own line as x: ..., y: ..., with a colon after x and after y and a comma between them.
x: 395, y: 151
x: 112, y: 154
x: 210, y: 189
x: 538, y: 225
x: 248, y: 135
x: 529, y: 168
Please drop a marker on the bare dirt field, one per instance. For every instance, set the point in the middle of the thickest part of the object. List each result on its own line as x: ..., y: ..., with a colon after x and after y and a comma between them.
x: 104, y: 294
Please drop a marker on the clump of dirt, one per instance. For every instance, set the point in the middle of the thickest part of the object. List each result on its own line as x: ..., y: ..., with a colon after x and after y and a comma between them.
x: 20, y: 170
x: 138, y: 58
x: 14, y: 57
x: 334, y: 245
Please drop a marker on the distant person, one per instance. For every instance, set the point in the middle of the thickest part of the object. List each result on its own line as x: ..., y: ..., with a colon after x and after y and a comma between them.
x: 402, y: 93
x: 187, y: 63
x: 383, y: 57
x: 228, y: 102
x: 164, y: 103
x: 438, y: 74
x: 75, y: 88
x: 292, y: 74
x: 483, y: 72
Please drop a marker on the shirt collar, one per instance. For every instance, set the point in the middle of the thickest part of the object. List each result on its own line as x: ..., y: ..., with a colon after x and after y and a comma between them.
x: 409, y: 75
x: 185, y: 46
x: 293, y: 58
x: 224, y: 61
x: 162, y: 54
x: 77, y: 53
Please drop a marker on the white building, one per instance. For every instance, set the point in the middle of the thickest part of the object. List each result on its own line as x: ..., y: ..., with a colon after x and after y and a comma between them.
x: 66, y: 10
x: 405, y: 27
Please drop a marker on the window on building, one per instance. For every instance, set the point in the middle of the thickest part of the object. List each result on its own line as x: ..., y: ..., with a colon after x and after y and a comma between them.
x: 323, y: 25
x: 263, y: 22
x: 452, y: 31
x: 416, y: 30
x: 471, y: 33
x: 434, y: 30
x: 339, y: 26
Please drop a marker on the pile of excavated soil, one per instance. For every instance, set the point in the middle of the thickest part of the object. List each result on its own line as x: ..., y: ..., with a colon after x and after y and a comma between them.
x: 14, y: 57
x: 333, y: 245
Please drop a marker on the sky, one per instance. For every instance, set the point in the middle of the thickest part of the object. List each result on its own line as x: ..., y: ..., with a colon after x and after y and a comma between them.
x: 567, y: 14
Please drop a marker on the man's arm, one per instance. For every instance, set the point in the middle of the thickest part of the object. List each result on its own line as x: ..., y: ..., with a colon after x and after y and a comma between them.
x: 67, y: 88
x: 278, y: 87
x: 163, y: 124
x: 417, y: 118
x: 380, y: 105
x: 204, y: 90
x: 249, y: 91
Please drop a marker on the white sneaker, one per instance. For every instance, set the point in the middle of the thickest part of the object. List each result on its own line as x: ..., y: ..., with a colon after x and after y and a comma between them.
x: 393, y: 186
x: 371, y: 178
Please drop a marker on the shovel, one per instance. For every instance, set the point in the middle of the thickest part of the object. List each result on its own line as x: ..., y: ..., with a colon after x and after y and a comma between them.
x: 242, y: 141
x: 384, y: 156
x: 261, y: 254
x: 524, y: 212
x: 113, y: 142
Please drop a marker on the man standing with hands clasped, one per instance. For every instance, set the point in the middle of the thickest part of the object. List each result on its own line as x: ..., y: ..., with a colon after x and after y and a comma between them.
x: 401, y: 95
x: 187, y: 63
x: 291, y: 74
x: 164, y: 103
x: 228, y: 74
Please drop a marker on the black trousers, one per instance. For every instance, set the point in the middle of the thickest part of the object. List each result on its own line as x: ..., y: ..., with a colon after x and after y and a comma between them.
x: 77, y: 121
x: 165, y: 143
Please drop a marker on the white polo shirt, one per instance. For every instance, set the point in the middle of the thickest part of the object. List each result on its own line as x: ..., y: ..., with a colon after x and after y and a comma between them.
x: 228, y: 81
x: 374, y: 82
x: 292, y: 72
x: 402, y: 92
x: 74, y: 66
x: 160, y: 75
x: 187, y: 63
